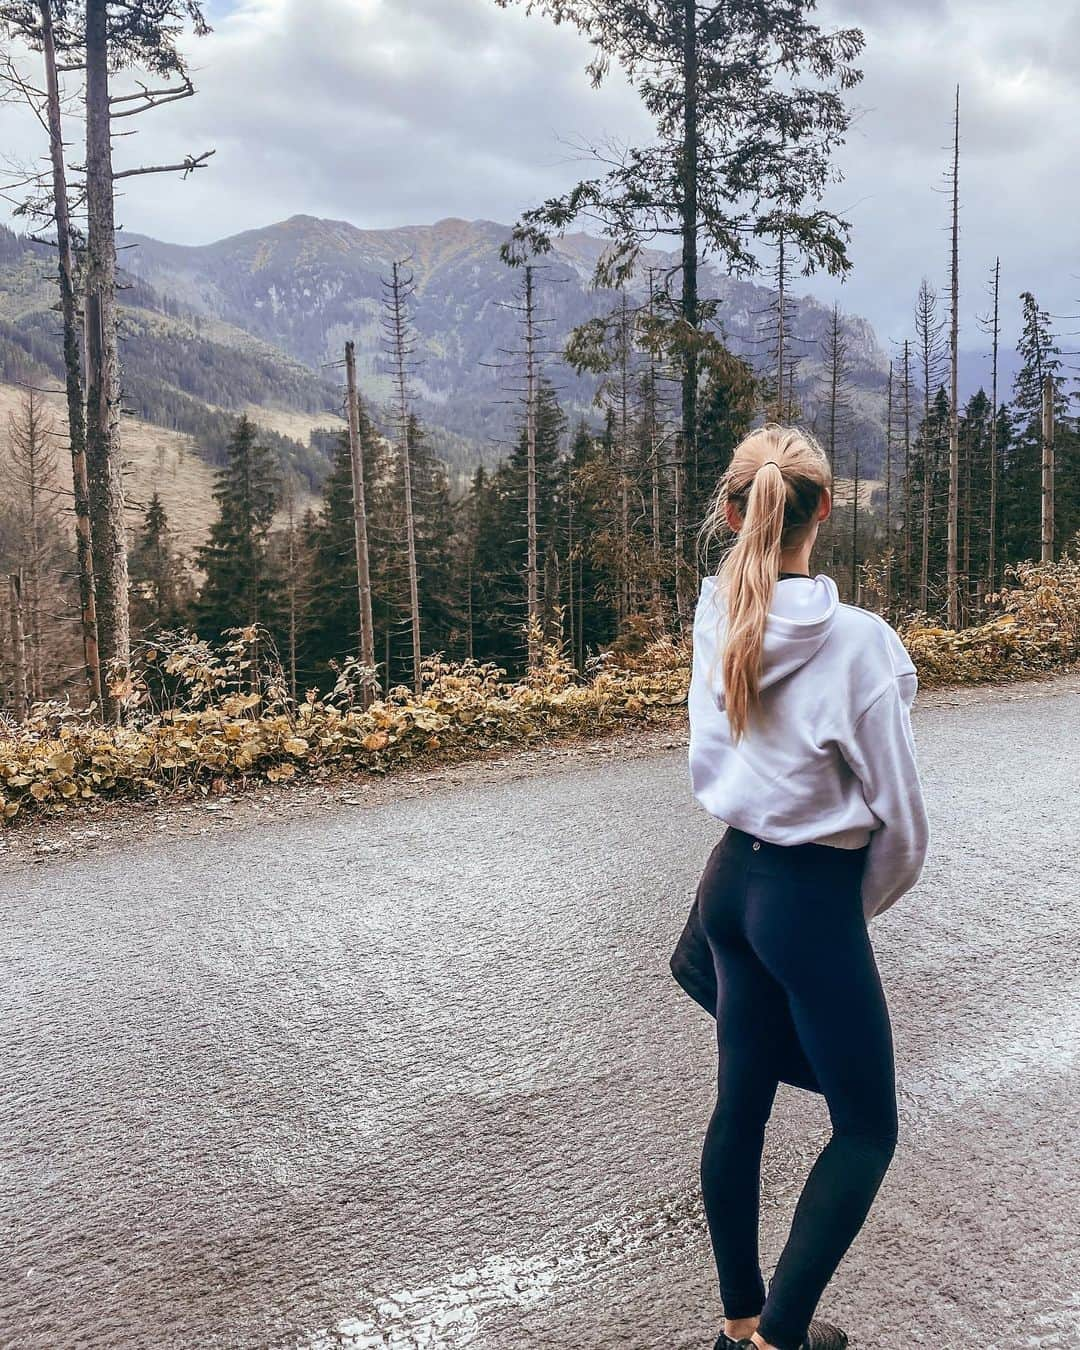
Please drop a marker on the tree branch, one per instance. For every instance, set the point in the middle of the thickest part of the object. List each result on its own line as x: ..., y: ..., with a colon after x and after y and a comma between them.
x: 190, y: 164
x: 151, y: 98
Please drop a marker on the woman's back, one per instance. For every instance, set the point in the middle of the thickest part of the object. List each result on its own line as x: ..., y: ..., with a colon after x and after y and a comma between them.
x: 799, y: 704
x: 835, y: 687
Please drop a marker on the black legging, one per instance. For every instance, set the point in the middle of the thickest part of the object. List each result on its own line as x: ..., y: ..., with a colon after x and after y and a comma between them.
x: 799, y: 997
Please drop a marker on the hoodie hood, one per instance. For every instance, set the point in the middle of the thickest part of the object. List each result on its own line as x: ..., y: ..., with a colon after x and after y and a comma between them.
x: 800, y: 619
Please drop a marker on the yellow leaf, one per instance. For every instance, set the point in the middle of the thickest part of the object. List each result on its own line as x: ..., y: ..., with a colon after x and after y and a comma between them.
x: 296, y: 746
x: 39, y: 791
x: 63, y: 761
x: 376, y: 740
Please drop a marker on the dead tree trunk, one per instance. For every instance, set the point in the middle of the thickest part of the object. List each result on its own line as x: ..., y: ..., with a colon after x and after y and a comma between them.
x: 996, y: 330
x: 571, y: 637
x: 291, y: 562
x: 855, y: 525
x: 400, y: 345
x: 103, y: 451
x: 888, y: 494
x: 625, y: 599
x: 651, y: 416
x: 928, y: 329
x: 907, y: 473
x: 952, y: 579
x: 72, y: 363
x: 531, y: 397
x: 28, y: 441
x: 360, y: 531
x: 20, y: 702
x: 1047, y: 551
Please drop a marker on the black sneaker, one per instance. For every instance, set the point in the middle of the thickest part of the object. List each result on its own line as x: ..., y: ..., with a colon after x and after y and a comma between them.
x: 820, y: 1336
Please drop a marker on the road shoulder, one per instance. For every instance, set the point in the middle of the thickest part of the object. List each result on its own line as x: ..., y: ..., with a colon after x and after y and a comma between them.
x: 115, y: 824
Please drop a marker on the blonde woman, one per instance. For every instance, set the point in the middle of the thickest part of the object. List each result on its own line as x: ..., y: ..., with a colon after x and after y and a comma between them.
x: 800, y: 741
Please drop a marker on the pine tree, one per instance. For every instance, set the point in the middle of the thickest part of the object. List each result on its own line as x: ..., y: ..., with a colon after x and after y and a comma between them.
x: 1021, y: 486
x: 241, y: 586
x: 718, y: 80
x: 160, y: 585
x: 331, y: 622
x: 500, y: 591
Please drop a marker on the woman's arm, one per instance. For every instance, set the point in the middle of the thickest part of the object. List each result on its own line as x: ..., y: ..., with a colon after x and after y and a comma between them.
x: 881, y: 753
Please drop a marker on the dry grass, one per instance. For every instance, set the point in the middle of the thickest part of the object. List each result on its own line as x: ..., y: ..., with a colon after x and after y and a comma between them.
x: 168, y: 462
x: 156, y: 460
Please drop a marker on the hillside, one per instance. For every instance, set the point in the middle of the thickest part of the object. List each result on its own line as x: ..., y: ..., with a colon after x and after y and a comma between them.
x: 183, y: 372
x: 304, y: 285
x: 155, y: 460
x: 159, y: 460
x: 256, y: 323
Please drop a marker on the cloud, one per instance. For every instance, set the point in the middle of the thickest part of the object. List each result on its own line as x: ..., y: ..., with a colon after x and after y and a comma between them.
x: 387, y: 112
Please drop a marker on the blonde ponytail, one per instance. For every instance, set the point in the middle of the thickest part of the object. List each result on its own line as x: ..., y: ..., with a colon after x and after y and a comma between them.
x: 775, y: 481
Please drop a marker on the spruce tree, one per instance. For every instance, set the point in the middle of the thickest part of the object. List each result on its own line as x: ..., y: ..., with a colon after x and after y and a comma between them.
x: 1021, y: 487
x: 441, y: 617
x: 330, y: 631
x: 241, y: 585
x: 928, y: 480
x: 160, y: 585
x: 500, y: 575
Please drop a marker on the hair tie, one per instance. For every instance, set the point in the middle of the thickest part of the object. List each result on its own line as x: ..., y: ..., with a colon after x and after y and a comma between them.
x: 770, y: 461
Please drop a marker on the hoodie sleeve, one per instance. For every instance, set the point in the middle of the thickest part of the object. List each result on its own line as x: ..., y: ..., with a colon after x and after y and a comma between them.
x: 881, y: 753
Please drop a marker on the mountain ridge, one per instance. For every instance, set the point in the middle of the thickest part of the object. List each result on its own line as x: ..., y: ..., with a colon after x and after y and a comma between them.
x: 305, y: 284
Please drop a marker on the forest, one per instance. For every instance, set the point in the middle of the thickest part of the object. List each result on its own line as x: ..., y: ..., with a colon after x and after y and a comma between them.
x: 582, y: 541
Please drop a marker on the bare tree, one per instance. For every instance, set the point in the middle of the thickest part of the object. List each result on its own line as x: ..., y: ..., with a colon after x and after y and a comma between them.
x: 889, y: 426
x: 145, y: 36
x: 905, y: 389
x: 1046, y: 551
x: 991, y: 323
x: 952, y: 581
x: 837, y: 372
x: 360, y: 524
x: 398, y: 292
x: 782, y: 348
x: 33, y: 21
x: 531, y: 406
x: 928, y: 329
x: 31, y: 469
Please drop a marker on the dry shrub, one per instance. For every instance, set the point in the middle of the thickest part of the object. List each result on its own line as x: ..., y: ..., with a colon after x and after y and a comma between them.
x: 1036, y: 629
x: 199, y: 719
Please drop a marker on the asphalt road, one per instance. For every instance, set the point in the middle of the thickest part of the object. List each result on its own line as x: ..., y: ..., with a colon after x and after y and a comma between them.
x: 416, y: 1075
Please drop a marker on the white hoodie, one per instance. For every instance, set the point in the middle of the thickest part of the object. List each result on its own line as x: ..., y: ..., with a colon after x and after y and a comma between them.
x: 831, y: 757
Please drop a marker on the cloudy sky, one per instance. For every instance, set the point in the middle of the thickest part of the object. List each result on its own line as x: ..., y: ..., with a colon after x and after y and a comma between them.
x: 388, y: 112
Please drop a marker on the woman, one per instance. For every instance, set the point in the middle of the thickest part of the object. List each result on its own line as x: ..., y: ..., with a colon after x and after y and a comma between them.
x: 800, y: 740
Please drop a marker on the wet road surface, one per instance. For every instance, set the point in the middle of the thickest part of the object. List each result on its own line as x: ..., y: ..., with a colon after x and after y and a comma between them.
x: 416, y: 1075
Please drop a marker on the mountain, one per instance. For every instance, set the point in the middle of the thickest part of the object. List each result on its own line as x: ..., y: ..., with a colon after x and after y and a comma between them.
x: 181, y: 371
x: 257, y: 322
x: 305, y: 285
